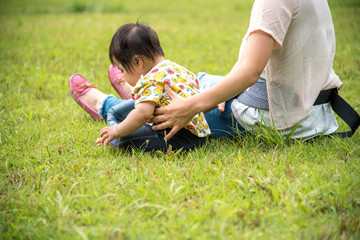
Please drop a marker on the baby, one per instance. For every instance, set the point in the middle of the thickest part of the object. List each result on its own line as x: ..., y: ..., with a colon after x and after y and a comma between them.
x: 135, y: 49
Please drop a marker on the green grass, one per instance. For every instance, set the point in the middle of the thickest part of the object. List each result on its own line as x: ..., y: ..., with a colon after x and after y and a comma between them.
x: 56, y: 184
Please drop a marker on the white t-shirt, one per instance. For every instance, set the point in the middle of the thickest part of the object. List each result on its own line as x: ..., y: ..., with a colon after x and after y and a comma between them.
x: 300, y: 65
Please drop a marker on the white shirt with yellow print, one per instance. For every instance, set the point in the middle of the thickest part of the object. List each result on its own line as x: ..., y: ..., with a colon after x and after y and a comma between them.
x: 185, y: 83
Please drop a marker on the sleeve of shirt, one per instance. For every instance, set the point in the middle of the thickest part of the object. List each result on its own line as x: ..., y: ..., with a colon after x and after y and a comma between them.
x: 148, y: 92
x: 272, y: 17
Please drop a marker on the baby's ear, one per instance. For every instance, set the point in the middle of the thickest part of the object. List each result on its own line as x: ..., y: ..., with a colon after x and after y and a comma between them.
x: 137, y: 60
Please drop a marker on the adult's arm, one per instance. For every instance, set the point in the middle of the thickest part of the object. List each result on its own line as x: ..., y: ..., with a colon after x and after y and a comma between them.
x: 180, y: 111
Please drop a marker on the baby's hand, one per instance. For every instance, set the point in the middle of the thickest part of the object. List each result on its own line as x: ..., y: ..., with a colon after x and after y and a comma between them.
x: 106, y: 135
x: 98, y: 142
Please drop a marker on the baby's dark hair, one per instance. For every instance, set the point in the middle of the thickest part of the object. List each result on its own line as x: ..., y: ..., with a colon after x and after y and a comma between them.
x: 134, y: 39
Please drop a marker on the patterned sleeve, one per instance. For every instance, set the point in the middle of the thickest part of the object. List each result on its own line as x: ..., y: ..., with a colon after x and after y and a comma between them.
x: 148, y: 90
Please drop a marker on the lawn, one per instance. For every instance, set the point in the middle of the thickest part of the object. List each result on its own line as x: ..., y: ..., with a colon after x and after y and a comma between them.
x: 56, y: 184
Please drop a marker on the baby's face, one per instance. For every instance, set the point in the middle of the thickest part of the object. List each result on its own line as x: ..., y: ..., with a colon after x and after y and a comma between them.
x: 130, y: 77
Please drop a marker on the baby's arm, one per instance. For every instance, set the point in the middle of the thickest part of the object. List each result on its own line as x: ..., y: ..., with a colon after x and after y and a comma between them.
x: 136, y: 118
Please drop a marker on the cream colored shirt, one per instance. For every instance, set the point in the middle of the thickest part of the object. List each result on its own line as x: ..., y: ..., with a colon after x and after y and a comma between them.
x: 300, y: 65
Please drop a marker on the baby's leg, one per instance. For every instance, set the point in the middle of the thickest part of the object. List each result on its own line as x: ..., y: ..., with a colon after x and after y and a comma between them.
x: 147, y: 139
x: 119, y: 112
x: 110, y: 102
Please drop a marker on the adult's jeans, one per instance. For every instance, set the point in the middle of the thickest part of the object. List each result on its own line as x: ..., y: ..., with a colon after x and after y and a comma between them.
x: 222, y: 124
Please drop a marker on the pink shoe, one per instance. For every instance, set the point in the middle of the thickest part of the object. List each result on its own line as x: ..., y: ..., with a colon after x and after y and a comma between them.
x: 115, y: 78
x: 78, y: 87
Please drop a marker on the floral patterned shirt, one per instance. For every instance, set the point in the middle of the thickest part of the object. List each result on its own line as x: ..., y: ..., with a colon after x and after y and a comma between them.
x: 185, y: 83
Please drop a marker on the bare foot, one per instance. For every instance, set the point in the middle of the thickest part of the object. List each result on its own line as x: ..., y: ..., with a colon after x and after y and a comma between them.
x: 94, y: 98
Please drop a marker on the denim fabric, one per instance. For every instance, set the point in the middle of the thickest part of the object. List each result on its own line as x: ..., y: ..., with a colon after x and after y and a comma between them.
x: 222, y: 124
x: 147, y: 139
x: 108, y: 103
x: 119, y: 112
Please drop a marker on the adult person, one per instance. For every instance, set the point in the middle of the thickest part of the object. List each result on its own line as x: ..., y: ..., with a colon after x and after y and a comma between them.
x: 291, y: 44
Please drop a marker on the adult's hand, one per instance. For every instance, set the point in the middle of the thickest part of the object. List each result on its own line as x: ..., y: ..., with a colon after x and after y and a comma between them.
x: 177, y: 114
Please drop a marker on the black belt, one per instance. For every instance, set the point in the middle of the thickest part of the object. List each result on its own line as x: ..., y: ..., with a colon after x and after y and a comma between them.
x: 256, y: 96
x: 341, y: 108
